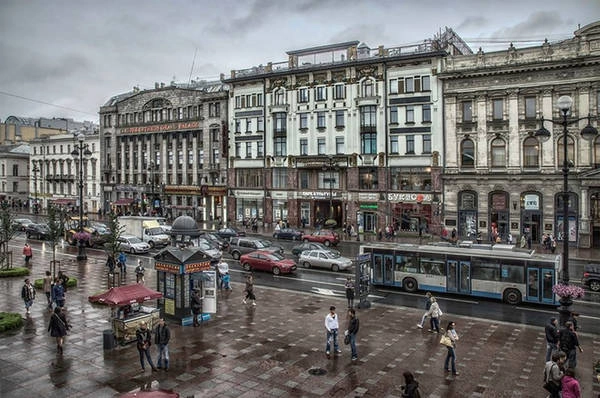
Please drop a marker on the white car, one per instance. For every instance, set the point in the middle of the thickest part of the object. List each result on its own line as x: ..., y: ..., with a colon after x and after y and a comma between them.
x: 324, y: 259
x: 133, y: 244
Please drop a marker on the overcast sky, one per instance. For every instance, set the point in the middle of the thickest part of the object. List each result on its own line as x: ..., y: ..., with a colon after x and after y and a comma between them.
x: 77, y: 54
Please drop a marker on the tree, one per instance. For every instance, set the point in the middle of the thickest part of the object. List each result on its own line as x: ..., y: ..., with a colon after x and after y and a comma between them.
x: 7, y: 231
x: 112, y: 244
x: 56, y: 232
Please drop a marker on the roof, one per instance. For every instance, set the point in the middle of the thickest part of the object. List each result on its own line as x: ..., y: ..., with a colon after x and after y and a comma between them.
x: 123, y: 295
x: 176, y: 255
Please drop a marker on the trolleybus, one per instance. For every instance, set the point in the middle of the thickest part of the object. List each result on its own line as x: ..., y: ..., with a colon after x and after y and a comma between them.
x: 495, y: 271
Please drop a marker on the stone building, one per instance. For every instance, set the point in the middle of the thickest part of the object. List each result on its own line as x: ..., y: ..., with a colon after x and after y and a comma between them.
x: 14, y: 175
x: 16, y: 129
x: 341, y: 132
x: 499, y: 177
x: 164, y: 150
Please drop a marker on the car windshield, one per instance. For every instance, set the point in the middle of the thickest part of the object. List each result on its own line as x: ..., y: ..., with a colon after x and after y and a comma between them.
x: 204, y: 246
x: 134, y: 240
x: 331, y: 254
x: 262, y: 244
x: 276, y: 256
x: 156, y: 231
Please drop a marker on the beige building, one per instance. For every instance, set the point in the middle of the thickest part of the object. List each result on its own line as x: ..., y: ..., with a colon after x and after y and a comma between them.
x: 16, y: 129
x: 14, y: 175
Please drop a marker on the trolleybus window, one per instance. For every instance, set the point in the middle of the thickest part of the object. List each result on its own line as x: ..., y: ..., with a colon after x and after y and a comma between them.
x: 512, y: 273
x: 485, y: 269
x: 405, y: 263
x: 433, y: 265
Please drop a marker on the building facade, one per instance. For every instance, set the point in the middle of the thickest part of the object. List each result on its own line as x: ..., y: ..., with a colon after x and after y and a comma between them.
x: 16, y: 129
x: 164, y: 151
x: 499, y: 178
x: 14, y: 175
x: 341, y: 132
x: 54, y: 173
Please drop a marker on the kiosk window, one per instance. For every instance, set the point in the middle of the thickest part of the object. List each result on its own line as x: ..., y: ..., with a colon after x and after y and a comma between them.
x: 170, y: 286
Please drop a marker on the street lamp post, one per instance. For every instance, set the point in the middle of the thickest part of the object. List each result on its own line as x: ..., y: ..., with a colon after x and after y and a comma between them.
x: 81, y: 151
x: 35, y: 170
x: 564, y: 105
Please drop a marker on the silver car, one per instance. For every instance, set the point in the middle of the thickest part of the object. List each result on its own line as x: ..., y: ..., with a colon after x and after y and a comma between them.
x: 133, y: 244
x: 324, y: 259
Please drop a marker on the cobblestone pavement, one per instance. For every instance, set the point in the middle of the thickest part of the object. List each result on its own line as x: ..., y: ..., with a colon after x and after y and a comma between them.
x: 269, y: 350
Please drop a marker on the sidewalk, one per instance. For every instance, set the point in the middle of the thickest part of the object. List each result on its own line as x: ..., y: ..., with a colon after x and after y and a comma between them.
x: 270, y: 350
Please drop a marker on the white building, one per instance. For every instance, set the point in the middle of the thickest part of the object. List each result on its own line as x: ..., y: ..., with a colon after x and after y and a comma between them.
x: 14, y: 175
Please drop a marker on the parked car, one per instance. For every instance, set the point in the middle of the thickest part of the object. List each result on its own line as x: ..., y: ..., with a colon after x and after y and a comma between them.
x: 209, y: 249
x: 37, y: 231
x: 591, y: 276
x: 243, y: 245
x: 324, y: 259
x: 221, y: 243
x: 21, y: 223
x: 296, y: 250
x: 288, y: 233
x: 230, y: 232
x: 324, y: 236
x: 261, y: 260
x: 133, y: 244
x: 100, y: 234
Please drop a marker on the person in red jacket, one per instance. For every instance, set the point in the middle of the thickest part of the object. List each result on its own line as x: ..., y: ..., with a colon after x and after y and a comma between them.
x: 27, y: 253
x: 570, y: 385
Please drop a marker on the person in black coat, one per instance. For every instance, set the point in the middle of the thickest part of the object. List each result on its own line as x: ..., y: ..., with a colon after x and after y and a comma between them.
x: 58, y: 327
x: 162, y: 335
x: 410, y: 387
x: 144, y: 341
x: 353, y: 325
x: 551, y: 330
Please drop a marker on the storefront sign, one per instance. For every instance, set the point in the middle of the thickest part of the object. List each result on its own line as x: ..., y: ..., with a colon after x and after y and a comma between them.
x: 410, y: 197
x: 159, y: 128
x: 318, y: 195
x: 368, y: 196
x: 196, y: 267
x: 169, y: 307
x: 170, y: 268
x: 368, y: 206
x: 248, y: 194
x: 279, y: 194
x: 531, y: 202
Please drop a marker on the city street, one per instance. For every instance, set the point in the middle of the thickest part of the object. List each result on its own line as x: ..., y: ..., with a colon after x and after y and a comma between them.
x: 273, y: 349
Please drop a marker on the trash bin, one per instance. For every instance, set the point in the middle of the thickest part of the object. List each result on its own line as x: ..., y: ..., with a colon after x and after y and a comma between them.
x: 109, y: 339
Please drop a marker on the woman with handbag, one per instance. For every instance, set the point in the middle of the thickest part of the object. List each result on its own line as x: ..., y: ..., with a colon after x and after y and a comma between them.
x: 434, y: 313
x: 451, y: 356
x: 58, y: 327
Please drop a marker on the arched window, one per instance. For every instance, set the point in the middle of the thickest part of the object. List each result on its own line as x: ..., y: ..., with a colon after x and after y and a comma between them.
x: 367, y: 88
x: 498, y: 153
x: 467, y: 153
x: 531, y: 152
x: 279, y: 97
x: 561, y: 151
x: 596, y: 158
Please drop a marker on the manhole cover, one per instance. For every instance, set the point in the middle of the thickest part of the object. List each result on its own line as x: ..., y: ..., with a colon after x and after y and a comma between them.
x: 317, y: 371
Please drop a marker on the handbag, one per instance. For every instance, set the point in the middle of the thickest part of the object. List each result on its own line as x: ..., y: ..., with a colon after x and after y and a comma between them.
x: 446, y: 341
x: 347, y: 339
x: 552, y: 387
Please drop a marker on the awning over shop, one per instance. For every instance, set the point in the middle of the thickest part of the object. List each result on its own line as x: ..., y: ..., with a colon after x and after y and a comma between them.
x: 63, y: 201
x: 124, y: 295
x: 123, y: 201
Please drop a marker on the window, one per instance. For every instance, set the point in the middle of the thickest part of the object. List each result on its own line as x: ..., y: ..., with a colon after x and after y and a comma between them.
x: 214, y: 110
x: 394, y: 114
x: 320, y: 120
x: 321, y: 146
x: 426, y: 143
x: 367, y: 178
x: 425, y: 83
x: 368, y: 117
x: 303, y: 96
x: 280, y: 146
x: 368, y: 88
x: 249, y: 178
x: 340, y: 91
x: 596, y: 158
x: 238, y: 149
x: 303, y: 121
x: 410, y: 114
x: 410, y: 144
x: 426, y: 113
x: 498, y: 153
x: 339, y: 119
x: 303, y: 179
x: 15, y: 170
x: 321, y: 93
x: 497, y: 109
x: 467, y: 111
x: 339, y: 145
x: 394, y: 144
x: 259, y: 100
x: 393, y: 86
x: 561, y: 151
x: 303, y: 147
x: 248, y: 149
x: 248, y: 125
x: 530, y: 112
x: 260, y: 124
x: 467, y: 151
x: 260, y: 149
x: 530, y: 152
x: 368, y: 143
x: 280, y: 177
x: 409, y: 84
x: 279, y: 97
x: 329, y: 179
x: 280, y: 122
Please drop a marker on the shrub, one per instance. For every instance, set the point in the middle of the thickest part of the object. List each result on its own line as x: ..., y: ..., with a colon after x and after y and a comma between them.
x: 39, y: 283
x: 10, y: 321
x: 16, y: 271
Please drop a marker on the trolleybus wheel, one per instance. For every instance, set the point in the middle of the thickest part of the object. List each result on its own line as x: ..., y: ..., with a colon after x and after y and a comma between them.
x: 410, y: 285
x: 512, y: 296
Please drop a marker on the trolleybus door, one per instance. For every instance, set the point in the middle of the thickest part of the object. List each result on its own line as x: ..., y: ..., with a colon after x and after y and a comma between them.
x: 465, y: 277
x: 458, y: 277
x: 539, y: 285
x: 377, y: 268
x: 388, y: 271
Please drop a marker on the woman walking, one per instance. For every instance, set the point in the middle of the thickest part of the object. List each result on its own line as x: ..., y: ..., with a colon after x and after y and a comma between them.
x: 434, y: 313
x: 58, y: 327
x: 451, y: 357
x: 250, y: 290
x: 349, y: 285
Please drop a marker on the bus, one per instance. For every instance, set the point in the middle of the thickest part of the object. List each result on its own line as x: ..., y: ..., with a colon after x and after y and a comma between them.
x: 498, y: 271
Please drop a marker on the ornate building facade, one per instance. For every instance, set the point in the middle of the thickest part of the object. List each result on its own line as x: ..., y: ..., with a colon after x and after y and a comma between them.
x: 499, y: 178
x: 164, y: 151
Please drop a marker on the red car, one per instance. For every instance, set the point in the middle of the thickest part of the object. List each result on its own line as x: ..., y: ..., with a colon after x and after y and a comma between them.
x: 267, y: 261
x: 324, y: 236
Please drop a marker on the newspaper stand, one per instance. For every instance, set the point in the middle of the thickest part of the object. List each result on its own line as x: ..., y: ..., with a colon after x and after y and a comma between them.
x: 363, y: 280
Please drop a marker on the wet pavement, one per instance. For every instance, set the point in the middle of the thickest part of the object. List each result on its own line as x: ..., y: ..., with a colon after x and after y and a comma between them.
x: 271, y: 350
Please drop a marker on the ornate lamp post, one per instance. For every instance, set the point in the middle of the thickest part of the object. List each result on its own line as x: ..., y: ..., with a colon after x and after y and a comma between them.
x: 35, y: 170
x: 81, y: 151
x: 564, y: 104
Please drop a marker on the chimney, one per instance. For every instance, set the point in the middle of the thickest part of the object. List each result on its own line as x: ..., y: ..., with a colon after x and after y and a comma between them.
x: 156, y: 85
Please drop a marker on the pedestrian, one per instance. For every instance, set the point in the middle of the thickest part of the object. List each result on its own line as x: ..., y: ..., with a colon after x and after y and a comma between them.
x: 47, y: 287
x: 529, y: 241
x: 27, y: 252
x: 353, y: 325
x: 570, y: 385
x: 122, y: 259
x: 28, y: 295
x: 553, y: 374
x: 162, y: 335
x: 58, y: 327
x: 139, y: 272
x: 434, y: 314
x: 64, y: 279
x: 573, y: 318
x: 569, y: 344
x: 410, y: 389
x: 509, y: 239
x: 451, y: 356
x: 453, y: 235
x: 249, y: 290
x: 332, y: 326
x: 222, y: 269
x: 349, y: 285
x: 196, y: 304
x: 551, y: 337
x: 144, y: 341
x: 226, y: 280
x: 58, y: 293
x: 523, y: 241
x: 110, y: 264
x: 427, y: 307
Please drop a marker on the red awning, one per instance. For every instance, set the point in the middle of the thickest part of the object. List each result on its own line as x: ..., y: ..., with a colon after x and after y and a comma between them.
x: 123, y: 201
x: 123, y: 295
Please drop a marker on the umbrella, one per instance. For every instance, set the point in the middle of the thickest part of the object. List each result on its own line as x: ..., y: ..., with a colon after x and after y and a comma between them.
x: 123, y: 295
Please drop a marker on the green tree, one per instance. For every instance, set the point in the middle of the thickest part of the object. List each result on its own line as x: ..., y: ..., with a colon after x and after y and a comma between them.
x: 7, y: 231
x: 112, y: 244
x: 56, y: 232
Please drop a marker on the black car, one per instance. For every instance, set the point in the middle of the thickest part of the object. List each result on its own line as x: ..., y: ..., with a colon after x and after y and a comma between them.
x: 296, y: 250
x: 288, y: 233
x: 215, y: 239
x: 591, y: 276
x: 230, y: 232
x: 37, y: 231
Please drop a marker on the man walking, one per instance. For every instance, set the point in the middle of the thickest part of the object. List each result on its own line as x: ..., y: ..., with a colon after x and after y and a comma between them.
x: 551, y: 338
x: 569, y: 343
x: 427, y: 307
x: 28, y: 295
x: 332, y: 325
x: 162, y: 335
x: 144, y: 340
x: 47, y: 286
x: 353, y: 326
x: 139, y: 272
x: 196, y: 304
